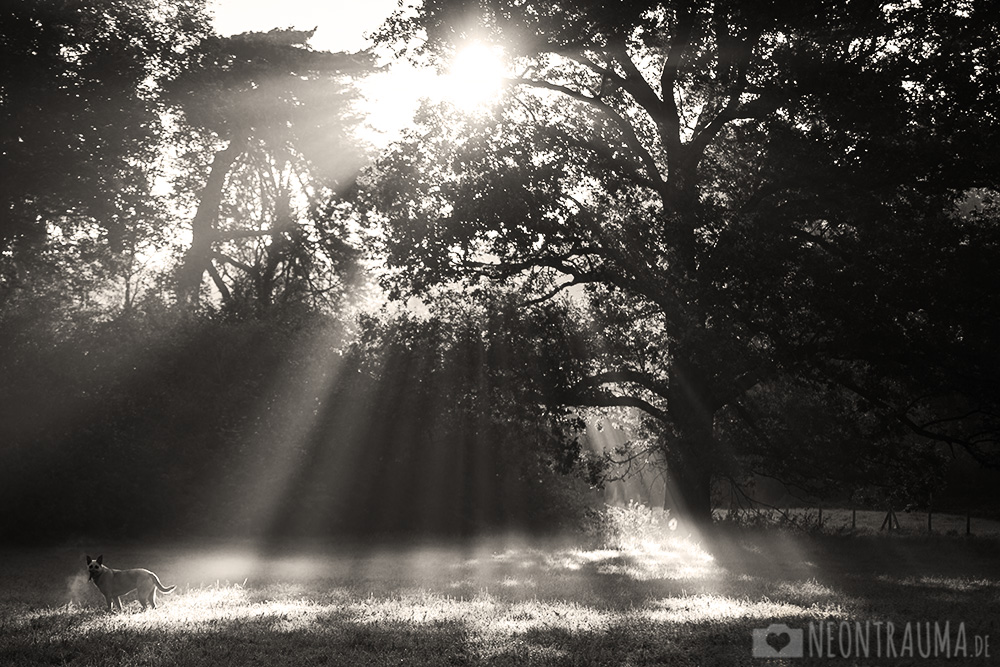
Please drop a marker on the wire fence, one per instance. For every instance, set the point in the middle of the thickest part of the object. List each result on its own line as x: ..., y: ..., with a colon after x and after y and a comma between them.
x: 874, y: 521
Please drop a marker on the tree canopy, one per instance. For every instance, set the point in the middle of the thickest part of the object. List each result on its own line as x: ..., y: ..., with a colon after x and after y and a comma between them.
x: 270, y: 132
x: 739, y: 198
x: 80, y: 123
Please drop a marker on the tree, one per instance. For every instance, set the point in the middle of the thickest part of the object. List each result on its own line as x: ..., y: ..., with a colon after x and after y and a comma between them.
x: 269, y: 131
x: 741, y: 196
x: 79, y: 113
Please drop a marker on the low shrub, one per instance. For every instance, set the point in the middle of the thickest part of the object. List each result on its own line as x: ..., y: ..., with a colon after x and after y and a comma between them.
x: 630, y: 527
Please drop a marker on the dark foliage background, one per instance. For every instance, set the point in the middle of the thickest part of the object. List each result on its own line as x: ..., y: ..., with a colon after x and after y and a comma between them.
x: 165, y: 424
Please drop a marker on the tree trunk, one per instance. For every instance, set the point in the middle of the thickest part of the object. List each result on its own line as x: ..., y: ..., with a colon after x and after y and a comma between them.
x: 692, y: 452
x: 266, y: 280
x: 203, y: 225
x: 689, y: 489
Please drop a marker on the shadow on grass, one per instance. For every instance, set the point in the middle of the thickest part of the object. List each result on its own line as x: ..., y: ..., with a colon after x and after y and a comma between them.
x: 917, y: 577
x: 332, y: 637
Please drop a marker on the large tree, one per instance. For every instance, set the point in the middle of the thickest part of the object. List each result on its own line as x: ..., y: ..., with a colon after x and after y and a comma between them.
x: 758, y: 200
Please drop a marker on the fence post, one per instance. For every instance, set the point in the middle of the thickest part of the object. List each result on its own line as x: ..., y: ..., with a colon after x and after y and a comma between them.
x: 930, y: 505
x: 890, y: 519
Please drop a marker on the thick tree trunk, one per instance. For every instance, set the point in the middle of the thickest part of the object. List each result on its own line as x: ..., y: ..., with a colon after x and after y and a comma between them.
x: 689, y: 490
x: 204, y: 226
x: 692, y: 453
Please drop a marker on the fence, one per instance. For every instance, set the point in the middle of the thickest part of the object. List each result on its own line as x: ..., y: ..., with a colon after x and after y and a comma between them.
x: 834, y: 519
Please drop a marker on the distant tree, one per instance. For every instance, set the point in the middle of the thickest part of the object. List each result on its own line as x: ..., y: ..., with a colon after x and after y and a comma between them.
x: 267, y: 130
x: 745, y: 200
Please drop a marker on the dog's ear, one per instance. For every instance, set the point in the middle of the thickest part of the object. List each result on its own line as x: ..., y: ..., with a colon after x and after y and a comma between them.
x: 100, y: 559
x: 89, y: 559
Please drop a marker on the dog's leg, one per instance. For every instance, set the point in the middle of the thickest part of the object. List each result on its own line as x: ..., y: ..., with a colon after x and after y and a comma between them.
x: 118, y: 602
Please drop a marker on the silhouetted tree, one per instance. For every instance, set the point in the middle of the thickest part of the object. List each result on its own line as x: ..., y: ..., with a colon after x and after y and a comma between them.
x: 737, y: 194
x: 269, y: 132
x: 80, y: 124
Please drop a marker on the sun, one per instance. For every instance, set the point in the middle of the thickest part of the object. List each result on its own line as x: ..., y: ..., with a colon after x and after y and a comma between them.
x: 476, y: 75
x: 471, y: 80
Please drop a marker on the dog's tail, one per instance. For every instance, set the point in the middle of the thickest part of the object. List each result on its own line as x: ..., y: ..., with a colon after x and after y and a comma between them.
x: 160, y: 587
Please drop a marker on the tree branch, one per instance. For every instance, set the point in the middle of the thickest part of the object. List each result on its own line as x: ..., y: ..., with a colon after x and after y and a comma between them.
x: 556, y: 290
x: 220, y: 284
x: 603, y: 399
x: 912, y: 425
x: 234, y: 262
x: 627, y: 375
x: 655, y: 178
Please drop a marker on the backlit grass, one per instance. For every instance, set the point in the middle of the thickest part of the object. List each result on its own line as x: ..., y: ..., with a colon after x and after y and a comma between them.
x: 677, y: 601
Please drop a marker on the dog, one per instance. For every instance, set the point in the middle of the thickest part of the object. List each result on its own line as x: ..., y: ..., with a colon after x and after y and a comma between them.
x: 115, y: 583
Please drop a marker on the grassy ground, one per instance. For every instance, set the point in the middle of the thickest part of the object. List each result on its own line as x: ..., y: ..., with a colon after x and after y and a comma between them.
x: 678, y: 601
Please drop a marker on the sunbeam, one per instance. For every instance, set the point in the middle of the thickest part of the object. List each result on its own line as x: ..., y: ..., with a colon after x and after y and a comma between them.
x: 448, y: 333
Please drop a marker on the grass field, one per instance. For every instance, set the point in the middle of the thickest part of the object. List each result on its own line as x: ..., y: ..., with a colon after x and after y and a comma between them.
x: 674, y: 601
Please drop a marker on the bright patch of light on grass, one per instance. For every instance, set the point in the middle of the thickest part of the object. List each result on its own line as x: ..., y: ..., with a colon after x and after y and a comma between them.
x: 484, y: 612
x: 699, y: 608
x: 512, y: 582
x: 492, y: 620
x: 670, y: 559
x: 207, y: 608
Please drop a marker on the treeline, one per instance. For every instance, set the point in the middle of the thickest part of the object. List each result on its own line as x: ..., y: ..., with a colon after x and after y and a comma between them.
x: 796, y: 291
x: 179, y: 258
x: 178, y: 425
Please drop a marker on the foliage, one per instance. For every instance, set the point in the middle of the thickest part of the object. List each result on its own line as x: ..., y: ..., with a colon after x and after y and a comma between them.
x: 267, y: 136
x: 79, y: 112
x: 102, y: 106
x: 271, y: 427
x: 634, y: 526
x: 740, y: 201
x: 461, y: 384
x: 145, y: 413
x: 826, y: 442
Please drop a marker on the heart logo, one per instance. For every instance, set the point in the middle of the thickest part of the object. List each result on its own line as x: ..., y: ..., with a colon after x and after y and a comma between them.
x: 778, y: 640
